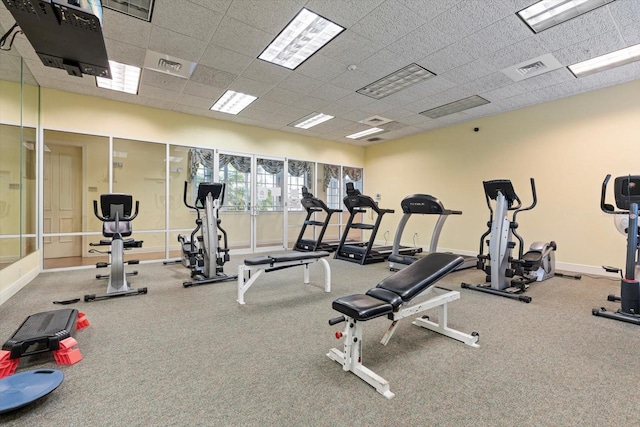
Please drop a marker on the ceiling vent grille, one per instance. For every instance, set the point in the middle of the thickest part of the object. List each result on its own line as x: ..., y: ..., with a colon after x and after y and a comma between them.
x: 533, y: 67
x: 168, y: 64
x: 375, y: 121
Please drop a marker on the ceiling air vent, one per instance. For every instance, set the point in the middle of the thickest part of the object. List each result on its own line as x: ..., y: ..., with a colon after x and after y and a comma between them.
x: 375, y: 121
x: 374, y: 139
x: 168, y: 64
x: 533, y: 67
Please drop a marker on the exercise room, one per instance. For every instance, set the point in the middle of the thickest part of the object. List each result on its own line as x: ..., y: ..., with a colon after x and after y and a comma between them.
x: 319, y: 212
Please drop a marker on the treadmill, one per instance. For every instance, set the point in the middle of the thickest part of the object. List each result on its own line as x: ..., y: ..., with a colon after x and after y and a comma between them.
x: 423, y: 204
x: 314, y: 205
x: 365, y: 252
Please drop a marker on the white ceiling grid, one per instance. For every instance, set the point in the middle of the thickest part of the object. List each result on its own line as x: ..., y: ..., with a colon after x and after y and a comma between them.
x: 464, y: 42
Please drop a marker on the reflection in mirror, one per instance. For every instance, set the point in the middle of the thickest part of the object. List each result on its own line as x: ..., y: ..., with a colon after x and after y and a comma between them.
x: 328, y: 190
x: 139, y: 169
x: 76, y: 172
x: 300, y: 174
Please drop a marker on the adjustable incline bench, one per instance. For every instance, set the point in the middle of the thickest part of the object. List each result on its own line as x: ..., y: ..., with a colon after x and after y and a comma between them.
x: 393, y: 297
x: 267, y: 263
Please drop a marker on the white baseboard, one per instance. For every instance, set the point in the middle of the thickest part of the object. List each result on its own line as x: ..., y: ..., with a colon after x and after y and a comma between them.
x: 13, y: 289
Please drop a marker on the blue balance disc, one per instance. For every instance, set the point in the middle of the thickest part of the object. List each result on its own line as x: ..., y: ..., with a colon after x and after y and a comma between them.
x: 21, y: 389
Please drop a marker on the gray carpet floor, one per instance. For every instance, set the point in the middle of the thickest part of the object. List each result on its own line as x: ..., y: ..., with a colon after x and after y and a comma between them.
x: 178, y: 357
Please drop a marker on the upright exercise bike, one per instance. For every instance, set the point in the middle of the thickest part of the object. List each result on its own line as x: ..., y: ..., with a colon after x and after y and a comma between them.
x: 508, y: 276
x: 116, y: 220
x: 627, y: 195
x: 204, y: 254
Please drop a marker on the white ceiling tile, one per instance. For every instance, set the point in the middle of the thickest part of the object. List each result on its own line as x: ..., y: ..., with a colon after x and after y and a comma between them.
x: 485, y: 83
x: 353, y: 80
x: 625, y: 12
x: 203, y: 90
x: 321, y: 68
x: 174, y: 44
x: 125, y: 53
x: 420, y: 43
x: 194, y: 21
x: 387, y: 23
x: 250, y: 87
x: 336, y: 11
x: 330, y: 92
x: 194, y: 101
x: 265, y: 72
x: 428, y: 10
x: 281, y: 95
x: 521, y: 51
x: 497, y: 36
x: 217, y: 5
x: 551, y: 78
x: 162, y: 80
x: 240, y: 37
x: 212, y: 77
x: 590, y: 48
x: 449, y: 57
x: 507, y: 91
x: 160, y: 94
x: 583, y: 27
x: 300, y: 83
x: 156, y: 103
x: 631, y: 34
x: 354, y: 100
x: 126, y: 29
x: 467, y: 17
x: 271, y: 17
x: 350, y: 48
x: 469, y: 72
x: 310, y: 103
x: 224, y: 59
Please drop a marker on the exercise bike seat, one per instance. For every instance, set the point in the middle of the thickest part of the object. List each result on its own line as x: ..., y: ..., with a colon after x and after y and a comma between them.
x: 124, y: 228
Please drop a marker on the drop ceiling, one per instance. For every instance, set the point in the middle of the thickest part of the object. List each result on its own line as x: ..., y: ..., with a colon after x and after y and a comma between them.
x: 465, y: 43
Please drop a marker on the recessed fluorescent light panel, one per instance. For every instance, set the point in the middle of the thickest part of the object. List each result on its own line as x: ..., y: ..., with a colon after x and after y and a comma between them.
x: 311, y: 120
x: 124, y: 78
x: 233, y: 102
x: 364, y: 133
x: 605, y: 62
x: 547, y: 13
x: 307, y: 33
x: 455, y: 107
x: 396, y: 81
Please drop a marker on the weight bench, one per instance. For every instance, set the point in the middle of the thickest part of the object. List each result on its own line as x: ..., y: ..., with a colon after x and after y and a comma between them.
x: 393, y: 297
x: 265, y: 264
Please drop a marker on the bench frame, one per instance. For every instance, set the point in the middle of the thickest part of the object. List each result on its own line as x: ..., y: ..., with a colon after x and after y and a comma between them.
x: 245, y: 283
x: 351, y: 356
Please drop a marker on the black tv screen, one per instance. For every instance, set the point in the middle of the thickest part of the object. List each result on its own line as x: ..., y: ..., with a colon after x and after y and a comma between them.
x: 65, y: 35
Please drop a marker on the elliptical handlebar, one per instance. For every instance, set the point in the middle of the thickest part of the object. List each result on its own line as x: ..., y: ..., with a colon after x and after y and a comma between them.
x: 184, y: 197
x: 533, y: 203
x: 605, y: 207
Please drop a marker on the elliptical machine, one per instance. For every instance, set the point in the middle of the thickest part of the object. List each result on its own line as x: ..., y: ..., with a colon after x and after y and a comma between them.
x: 627, y: 195
x: 509, y: 276
x: 203, y: 254
x: 116, y: 218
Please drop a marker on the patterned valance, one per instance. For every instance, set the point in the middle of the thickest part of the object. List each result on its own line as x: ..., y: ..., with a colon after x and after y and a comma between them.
x: 199, y: 156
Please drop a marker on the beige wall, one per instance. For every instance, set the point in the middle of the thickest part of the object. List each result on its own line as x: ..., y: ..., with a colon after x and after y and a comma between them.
x: 79, y: 113
x: 568, y: 146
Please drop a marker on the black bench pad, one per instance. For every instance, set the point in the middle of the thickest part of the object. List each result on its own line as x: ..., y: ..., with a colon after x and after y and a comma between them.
x: 418, y: 276
x: 291, y: 256
x: 362, y: 307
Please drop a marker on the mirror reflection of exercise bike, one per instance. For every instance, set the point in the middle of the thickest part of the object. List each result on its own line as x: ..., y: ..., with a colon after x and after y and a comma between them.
x: 205, y: 254
x: 508, y: 276
x: 116, y: 220
x: 627, y: 195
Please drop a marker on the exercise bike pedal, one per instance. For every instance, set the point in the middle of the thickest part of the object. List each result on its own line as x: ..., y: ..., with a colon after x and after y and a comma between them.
x: 132, y: 273
x: 132, y: 262
x: 102, y: 264
x: 610, y: 269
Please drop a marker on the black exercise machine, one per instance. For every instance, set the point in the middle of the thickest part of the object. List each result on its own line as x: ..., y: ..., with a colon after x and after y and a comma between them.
x: 116, y: 220
x: 509, y: 276
x: 313, y: 206
x: 365, y: 252
x: 206, y: 254
x: 423, y: 204
x: 404, y: 294
x: 627, y: 195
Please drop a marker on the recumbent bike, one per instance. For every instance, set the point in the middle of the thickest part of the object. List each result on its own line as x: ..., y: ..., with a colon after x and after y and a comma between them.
x: 206, y: 254
x: 627, y: 195
x: 116, y: 220
x: 508, y: 276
